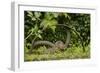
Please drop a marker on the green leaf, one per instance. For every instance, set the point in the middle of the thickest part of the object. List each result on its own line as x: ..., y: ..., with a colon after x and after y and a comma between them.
x: 53, y: 28
x: 48, y: 16
x: 39, y: 31
x: 49, y: 24
x: 30, y: 14
x: 44, y: 23
x: 37, y: 14
x: 55, y: 14
x: 53, y: 25
x: 33, y: 19
x: 67, y: 16
x: 39, y: 36
x: 35, y: 29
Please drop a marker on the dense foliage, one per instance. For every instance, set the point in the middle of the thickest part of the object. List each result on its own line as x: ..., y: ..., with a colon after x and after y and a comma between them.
x: 43, y: 26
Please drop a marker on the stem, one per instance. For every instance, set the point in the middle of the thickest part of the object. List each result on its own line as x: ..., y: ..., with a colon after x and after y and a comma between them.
x: 68, y: 38
x: 28, y: 36
x: 30, y: 51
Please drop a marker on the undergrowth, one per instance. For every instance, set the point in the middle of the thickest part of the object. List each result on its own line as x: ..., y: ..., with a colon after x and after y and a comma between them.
x: 42, y: 53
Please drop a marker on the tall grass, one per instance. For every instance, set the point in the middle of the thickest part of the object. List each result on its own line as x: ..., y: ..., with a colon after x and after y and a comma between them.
x: 42, y: 53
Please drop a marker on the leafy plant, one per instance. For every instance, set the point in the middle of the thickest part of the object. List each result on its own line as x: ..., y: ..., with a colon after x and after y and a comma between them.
x: 45, y: 26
